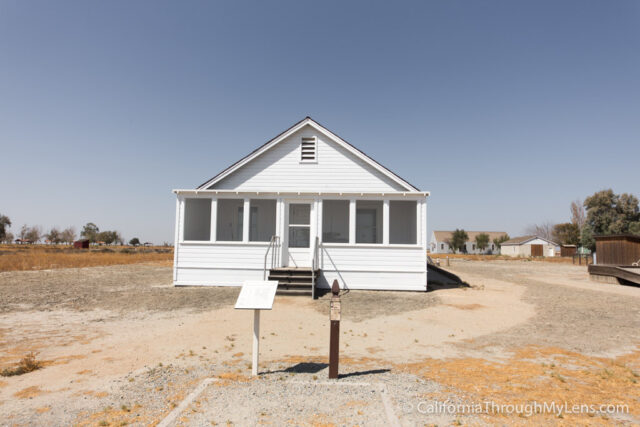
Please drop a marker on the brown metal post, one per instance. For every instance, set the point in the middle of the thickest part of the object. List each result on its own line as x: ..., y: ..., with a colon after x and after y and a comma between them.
x: 334, y: 335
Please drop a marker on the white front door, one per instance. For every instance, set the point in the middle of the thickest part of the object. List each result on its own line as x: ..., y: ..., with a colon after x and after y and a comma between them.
x: 297, y: 245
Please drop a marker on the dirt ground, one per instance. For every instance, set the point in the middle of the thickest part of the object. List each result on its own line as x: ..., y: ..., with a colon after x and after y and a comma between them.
x: 120, y: 345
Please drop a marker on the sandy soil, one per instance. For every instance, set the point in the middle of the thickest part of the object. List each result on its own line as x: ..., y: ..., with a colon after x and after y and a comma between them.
x: 120, y: 344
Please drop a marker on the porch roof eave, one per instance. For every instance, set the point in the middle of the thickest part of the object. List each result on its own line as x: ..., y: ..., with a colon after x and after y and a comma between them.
x: 303, y: 193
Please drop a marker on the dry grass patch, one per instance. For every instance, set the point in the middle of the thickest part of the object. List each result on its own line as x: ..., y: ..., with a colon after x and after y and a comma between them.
x: 27, y: 364
x: 46, y: 257
x: 536, y: 374
x: 29, y: 392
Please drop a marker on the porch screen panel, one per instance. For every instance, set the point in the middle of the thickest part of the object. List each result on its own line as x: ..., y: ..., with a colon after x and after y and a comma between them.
x: 335, y: 221
x: 369, y: 221
x: 403, y: 222
x: 229, y: 220
x: 197, y: 219
x: 262, y: 220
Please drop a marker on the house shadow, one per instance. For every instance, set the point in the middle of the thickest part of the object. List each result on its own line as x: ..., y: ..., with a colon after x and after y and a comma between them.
x: 439, y: 278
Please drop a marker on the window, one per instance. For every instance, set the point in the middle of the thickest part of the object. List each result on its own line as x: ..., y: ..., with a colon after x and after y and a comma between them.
x: 308, y: 150
x: 299, y: 225
x: 262, y: 220
x: 335, y: 221
x: 473, y: 247
x: 402, y: 222
x: 230, y: 219
x: 368, y: 221
x: 197, y: 219
x: 442, y: 246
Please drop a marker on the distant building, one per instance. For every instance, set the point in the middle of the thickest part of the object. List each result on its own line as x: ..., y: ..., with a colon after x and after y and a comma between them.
x: 81, y: 244
x: 440, y: 242
x: 568, y: 250
x: 526, y: 246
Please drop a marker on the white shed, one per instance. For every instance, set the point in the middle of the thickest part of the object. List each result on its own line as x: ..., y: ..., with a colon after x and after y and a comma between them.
x: 305, y: 208
x: 527, y: 246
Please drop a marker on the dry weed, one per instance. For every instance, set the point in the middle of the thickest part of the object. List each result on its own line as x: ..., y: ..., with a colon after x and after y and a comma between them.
x: 29, y: 363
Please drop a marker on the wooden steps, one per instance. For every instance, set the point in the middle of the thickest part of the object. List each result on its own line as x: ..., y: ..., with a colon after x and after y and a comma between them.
x: 295, y: 280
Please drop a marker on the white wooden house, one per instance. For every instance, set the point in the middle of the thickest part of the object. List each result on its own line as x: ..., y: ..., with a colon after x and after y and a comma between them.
x: 306, y: 207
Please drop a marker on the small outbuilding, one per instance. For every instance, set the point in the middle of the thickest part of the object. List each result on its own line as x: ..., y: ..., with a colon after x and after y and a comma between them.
x: 526, y: 246
x: 81, y: 244
x: 568, y: 250
x: 618, y: 249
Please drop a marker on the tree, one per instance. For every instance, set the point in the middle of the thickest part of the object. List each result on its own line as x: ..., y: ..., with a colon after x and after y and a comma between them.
x: 23, y: 232
x: 8, y: 237
x: 610, y: 213
x: 68, y: 235
x: 458, y: 240
x: 578, y: 216
x: 566, y: 233
x: 134, y: 242
x: 109, y: 237
x: 544, y: 230
x: 54, y: 236
x: 498, y: 241
x: 5, y: 223
x: 32, y: 234
x: 482, y: 241
x: 90, y: 231
x: 586, y: 237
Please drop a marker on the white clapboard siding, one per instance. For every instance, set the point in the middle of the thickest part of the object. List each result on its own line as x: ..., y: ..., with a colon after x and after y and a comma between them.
x: 281, y: 169
x: 215, y: 277
x: 374, y: 267
x: 398, y: 281
x: 353, y: 258
x: 222, y: 256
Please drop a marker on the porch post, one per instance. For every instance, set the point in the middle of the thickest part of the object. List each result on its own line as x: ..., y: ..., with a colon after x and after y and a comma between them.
x: 319, y: 221
x: 385, y: 222
x: 214, y: 216
x: 245, y: 220
x: 352, y: 221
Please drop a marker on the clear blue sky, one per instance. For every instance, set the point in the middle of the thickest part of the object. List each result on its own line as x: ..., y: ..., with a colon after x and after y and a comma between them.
x: 506, y: 111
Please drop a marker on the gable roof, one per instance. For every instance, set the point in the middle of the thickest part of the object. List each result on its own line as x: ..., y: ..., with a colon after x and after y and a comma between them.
x: 299, y: 125
x: 524, y: 239
x: 443, y: 236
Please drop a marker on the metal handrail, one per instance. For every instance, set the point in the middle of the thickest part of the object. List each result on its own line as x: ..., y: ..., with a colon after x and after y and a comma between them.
x: 314, y: 267
x: 274, y: 245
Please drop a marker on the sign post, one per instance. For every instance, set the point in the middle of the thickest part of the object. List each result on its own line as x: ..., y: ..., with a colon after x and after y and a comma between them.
x: 334, y: 335
x: 256, y: 295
